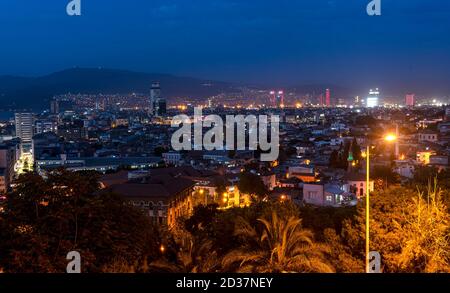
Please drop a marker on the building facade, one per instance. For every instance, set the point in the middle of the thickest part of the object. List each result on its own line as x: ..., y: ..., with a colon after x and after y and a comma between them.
x: 24, y: 123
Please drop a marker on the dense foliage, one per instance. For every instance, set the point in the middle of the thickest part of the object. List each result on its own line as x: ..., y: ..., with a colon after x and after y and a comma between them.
x: 46, y: 218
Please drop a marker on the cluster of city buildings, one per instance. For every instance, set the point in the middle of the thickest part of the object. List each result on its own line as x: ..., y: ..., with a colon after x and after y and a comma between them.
x: 321, y: 158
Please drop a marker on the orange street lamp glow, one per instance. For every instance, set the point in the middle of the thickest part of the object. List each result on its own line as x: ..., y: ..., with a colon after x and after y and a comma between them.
x: 390, y: 138
x: 162, y: 248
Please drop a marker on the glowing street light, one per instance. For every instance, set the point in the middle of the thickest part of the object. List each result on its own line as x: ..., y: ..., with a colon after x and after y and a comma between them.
x: 390, y: 138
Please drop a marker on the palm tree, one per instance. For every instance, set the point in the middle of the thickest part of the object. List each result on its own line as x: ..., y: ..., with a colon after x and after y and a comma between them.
x: 194, y: 256
x: 282, y: 245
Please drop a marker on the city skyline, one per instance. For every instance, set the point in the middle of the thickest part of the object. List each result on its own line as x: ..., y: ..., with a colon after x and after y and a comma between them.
x: 207, y: 138
x: 288, y: 43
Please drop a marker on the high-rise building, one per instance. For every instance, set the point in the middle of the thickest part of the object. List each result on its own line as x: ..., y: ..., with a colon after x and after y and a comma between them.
x: 328, y: 98
x: 158, y: 105
x: 280, y: 99
x: 155, y: 94
x: 277, y: 99
x: 373, y: 99
x: 25, y: 130
x: 273, y: 99
x: 54, y: 106
x: 160, y: 108
x: 410, y: 100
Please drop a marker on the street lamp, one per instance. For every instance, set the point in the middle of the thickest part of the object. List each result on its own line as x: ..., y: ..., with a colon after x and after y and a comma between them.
x: 388, y: 138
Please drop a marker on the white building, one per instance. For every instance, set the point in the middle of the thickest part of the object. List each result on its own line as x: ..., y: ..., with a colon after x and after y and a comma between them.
x: 327, y: 195
x: 405, y: 168
x: 356, y: 183
x: 373, y: 99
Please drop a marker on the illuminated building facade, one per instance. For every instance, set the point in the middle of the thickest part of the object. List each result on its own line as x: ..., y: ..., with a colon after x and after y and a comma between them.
x: 277, y: 99
x: 25, y: 129
x: 158, y: 105
x: 373, y: 99
x: 328, y: 98
x: 410, y: 100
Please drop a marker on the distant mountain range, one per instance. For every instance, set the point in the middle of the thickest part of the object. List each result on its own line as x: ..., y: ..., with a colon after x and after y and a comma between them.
x: 36, y: 92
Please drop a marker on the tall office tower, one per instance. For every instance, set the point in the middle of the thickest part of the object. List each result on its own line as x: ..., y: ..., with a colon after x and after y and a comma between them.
x: 25, y: 130
x: 158, y: 105
x: 373, y: 99
x: 273, y: 99
x: 410, y: 100
x: 155, y: 94
x: 54, y: 106
x: 328, y: 98
x: 160, y: 108
x: 280, y: 99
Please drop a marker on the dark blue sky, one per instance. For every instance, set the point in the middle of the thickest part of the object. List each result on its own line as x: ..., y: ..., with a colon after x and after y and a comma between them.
x: 264, y: 41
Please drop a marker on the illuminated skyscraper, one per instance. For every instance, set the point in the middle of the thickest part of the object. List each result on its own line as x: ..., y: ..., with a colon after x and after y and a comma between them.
x: 373, y: 99
x: 155, y: 94
x: 24, y: 130
x: 158, y: 105
x: 54, y: 106
x: 280, y: 99
x: 277, y: 99
x: 328, y: 98
x: 272, y: 99
x: 410, y: 100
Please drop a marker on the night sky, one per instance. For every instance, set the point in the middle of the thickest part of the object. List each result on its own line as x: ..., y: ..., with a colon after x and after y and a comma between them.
x: 261, y: 41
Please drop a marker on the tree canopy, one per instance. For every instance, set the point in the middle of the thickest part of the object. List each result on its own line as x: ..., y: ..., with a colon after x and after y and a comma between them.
x: 45, y: 218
